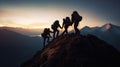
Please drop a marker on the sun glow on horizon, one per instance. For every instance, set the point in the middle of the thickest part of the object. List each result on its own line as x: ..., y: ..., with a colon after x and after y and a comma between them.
x: 42, y: 17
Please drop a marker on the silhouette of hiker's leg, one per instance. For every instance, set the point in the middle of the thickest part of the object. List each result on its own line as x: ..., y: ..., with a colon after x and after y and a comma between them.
x: 57, y: 33
x: 44, y: 42
x: 63, y: 32
x: 54, y: 34
x: 76, y: 29
x: 66, y: 30
x: 48, y: 39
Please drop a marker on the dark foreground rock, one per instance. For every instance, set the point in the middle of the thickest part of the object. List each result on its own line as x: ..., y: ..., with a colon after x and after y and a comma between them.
x: 75, y: 51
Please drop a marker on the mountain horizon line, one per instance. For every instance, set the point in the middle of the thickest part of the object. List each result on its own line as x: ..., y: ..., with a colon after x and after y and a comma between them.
x: 38, y: 31
x: 46, y: 27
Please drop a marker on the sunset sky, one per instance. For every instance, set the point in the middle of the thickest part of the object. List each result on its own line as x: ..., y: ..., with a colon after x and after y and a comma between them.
x: 42, y: 13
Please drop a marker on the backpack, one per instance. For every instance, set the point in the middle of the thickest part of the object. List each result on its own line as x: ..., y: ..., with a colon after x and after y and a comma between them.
x: 43, y: 35
x: 79, y: 18
x: 68, y: 22
x: 52, y: 26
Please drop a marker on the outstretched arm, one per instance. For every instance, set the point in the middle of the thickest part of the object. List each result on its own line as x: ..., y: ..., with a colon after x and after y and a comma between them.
x: 60, y: 26
x: 63, y: 24
x: 51, y: 31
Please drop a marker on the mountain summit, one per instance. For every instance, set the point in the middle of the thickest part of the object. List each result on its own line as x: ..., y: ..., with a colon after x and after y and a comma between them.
x: 110, y: 33
x: 106, y: 27
x: 75, y: 51
x: 109, y: 27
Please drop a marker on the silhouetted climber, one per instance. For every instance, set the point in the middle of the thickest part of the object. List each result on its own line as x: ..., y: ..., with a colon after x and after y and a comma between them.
x: 46, y: 35
x: 76, y: 18
x: 55, y: 27
x: 66, y: 24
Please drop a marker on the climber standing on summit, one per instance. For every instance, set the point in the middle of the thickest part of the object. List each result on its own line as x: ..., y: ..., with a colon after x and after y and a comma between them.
x: 76, y: 18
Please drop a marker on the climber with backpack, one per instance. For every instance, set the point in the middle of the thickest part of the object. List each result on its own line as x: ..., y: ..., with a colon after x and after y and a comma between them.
x: 76, y: 18
x: 66, y: 24
x: 46, y: 35
x: 55, y: 27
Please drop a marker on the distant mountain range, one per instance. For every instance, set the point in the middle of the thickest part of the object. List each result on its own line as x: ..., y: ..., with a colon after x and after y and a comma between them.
x: 108, y: 32
x: 24, y: 31
x: 15, y: 48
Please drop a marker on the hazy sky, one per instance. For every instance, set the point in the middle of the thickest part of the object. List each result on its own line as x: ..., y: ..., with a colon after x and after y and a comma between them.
x: 42, y: 13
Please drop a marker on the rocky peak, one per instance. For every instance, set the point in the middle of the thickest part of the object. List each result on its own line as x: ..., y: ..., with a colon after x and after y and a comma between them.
x: 75, y: 51
x: 106, y: 27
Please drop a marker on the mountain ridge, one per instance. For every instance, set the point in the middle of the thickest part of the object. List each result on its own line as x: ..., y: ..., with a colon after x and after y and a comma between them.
x: 110, y: 35
x: 23, y: 31
x: 75, y: 51
x: 16, y: 48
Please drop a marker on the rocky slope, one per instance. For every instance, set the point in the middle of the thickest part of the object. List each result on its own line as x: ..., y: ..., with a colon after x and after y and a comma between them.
x: 75, y: 51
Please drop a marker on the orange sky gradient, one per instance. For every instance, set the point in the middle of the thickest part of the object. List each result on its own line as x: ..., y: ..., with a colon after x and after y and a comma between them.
x: 35, y: 17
